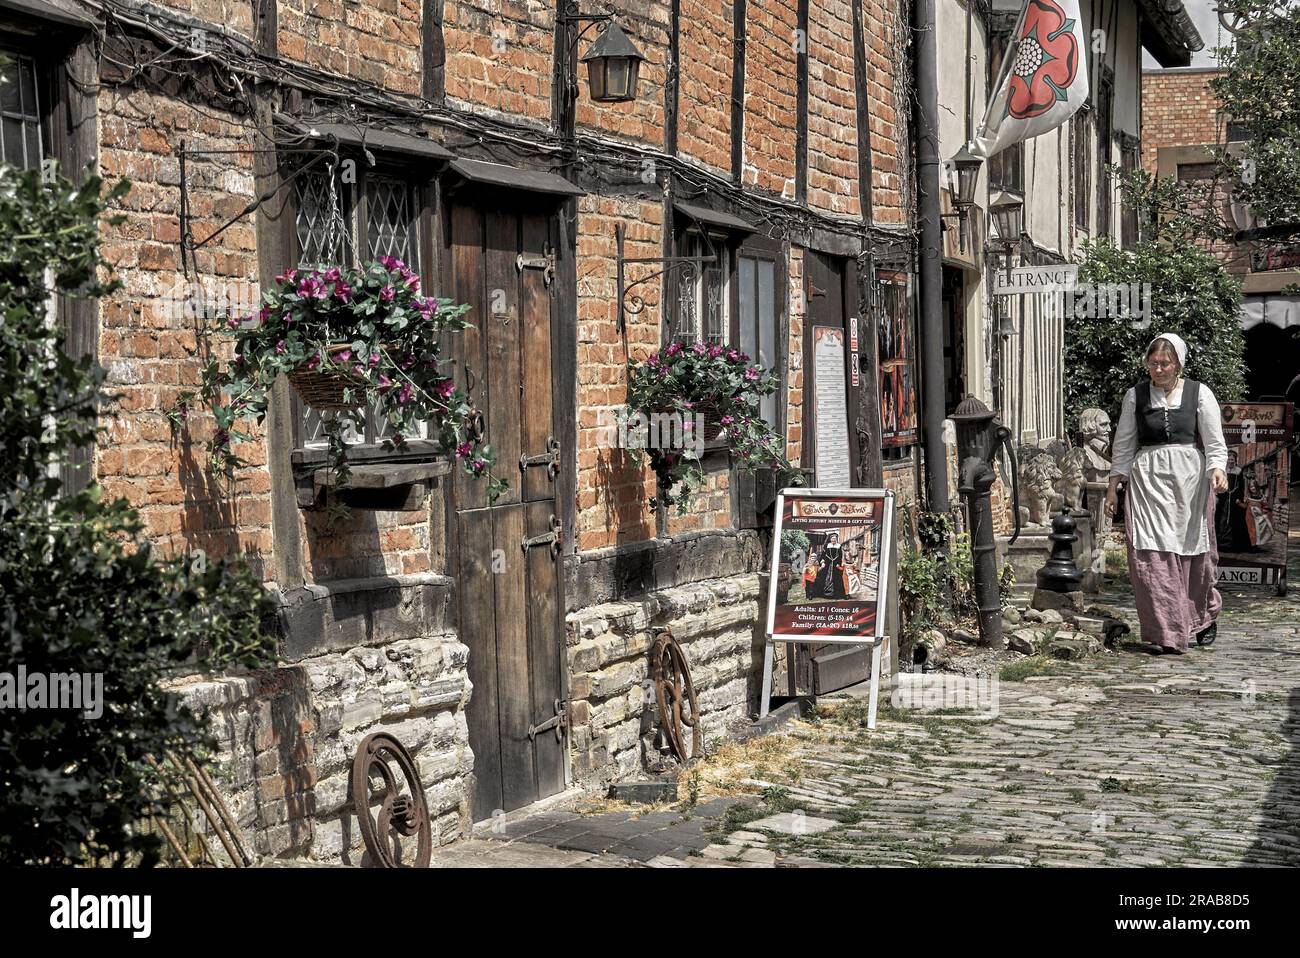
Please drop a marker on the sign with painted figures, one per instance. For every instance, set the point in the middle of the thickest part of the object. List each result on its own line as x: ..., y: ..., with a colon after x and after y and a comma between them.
x: 831, y: 552
x: 1251, y: 518
x: 831, y: 555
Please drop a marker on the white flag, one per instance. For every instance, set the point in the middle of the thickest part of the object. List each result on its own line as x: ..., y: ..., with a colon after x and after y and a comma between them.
x: 1044, y: 77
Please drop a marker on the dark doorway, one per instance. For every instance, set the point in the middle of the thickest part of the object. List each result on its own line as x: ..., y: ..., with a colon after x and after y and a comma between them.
x: 509, y: 588
x: 1272, y: 360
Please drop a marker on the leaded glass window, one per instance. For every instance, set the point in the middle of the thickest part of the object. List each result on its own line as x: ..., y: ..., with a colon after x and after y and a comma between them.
x: 21, y: 139
x: 390, y: 214
x: 324, y: 223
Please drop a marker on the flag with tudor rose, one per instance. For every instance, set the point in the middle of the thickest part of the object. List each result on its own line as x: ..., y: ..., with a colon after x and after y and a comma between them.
x: 1043, y: 81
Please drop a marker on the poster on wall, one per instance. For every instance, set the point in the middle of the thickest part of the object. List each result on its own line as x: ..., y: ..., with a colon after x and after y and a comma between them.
x: 898, y: 410
x: 831, y: 416
x: 830, y: 554
x: 1251, y: 519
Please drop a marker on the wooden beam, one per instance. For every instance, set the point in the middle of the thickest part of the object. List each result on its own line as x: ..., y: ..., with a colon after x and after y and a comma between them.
x: 863, y: 116
x: 738, y: 91
x: 433, y: 58
x: 801, y: 117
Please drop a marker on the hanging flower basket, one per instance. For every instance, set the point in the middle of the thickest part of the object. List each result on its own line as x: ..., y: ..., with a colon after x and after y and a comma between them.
x: 351, y: 339
x: 322, y: 385
x: 707, y: 393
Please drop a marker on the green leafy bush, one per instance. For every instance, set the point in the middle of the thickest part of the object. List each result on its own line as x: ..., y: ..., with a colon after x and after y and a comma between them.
x: 80, y: 590
x: 1191, y: 295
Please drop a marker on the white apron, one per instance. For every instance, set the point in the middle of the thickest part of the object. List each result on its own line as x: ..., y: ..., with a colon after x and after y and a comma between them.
x: 1166, y: 500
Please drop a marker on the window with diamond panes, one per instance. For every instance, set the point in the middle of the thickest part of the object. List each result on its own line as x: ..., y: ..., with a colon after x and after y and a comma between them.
x: 390, y: 216
x: 387, y: 219
x: 324, y: 223
x: 21, y: 135
x: 704, y: 298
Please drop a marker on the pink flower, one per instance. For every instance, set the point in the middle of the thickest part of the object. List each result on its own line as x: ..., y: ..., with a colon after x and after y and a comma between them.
x: 463, y: 450
x: 281, y: 348
x: 674, y: 348
x: 332, y: 275
x: 405, y: 395
x: 687, y: 425
x: 343, y: 355
x: 384, y: 383
x: 233, y: 322
x: 387, y: 294
x: 312, y: 288
x: 410, y: 278
x: 407, y: 362
x: 343, y: 292
x: 359, y: 370
x: 314, y: 362
x: 732, y: 355
x: 727, y: 420
x: 263, y: 314
x: 479, y: 465
x: 715, y: 352
x: 445, y: 388
x: 288, y: 276
x: 699, y: 349
x: 653, y: 360
x: 751, y: 373
x: 374, y: 360
x: 391, y: 262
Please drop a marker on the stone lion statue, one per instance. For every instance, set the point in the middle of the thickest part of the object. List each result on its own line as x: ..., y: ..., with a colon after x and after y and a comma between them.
x: 1039, y: 476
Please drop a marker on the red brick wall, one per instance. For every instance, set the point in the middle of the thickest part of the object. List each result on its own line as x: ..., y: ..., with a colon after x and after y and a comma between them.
x: 704, y: 101
x: 499, y: 56
x: 611, y: 488
x: 886, y: 39
x: 771, y: 95
x: 832, y: 110
x: 376, y: 42
x: 152, y: 350
x: 1178, y: 109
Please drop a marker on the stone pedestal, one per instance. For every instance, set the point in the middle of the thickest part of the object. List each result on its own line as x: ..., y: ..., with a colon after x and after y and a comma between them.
x: 1097, y: 511
x: 1028, y: 553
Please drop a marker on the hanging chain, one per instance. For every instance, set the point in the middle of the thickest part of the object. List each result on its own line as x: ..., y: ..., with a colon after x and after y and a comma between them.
x: 335, y: 227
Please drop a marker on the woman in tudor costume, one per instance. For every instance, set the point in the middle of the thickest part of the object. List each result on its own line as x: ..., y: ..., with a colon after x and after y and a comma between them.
x: 831, y: 581
x: 1169, y: 447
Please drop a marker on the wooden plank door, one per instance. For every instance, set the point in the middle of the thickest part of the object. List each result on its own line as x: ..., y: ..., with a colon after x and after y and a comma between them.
x: 508, y: 592
x: 830, y: 288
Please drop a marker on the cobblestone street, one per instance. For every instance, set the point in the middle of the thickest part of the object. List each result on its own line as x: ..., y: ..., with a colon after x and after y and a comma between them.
x: 1123, y: 759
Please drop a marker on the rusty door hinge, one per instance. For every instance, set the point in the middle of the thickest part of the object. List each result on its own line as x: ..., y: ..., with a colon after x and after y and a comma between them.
x: 545, y: 261
x: 559, y: 722
x: 554, y: 538
x: 550, y: 459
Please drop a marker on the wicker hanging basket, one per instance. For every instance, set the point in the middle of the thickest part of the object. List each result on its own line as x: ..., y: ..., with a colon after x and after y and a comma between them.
x: 710, y: 410
x: 324, y: 389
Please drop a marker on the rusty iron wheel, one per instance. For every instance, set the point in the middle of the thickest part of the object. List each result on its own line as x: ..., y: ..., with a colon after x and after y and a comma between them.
x: 675, y: 695
x: 400, y: 815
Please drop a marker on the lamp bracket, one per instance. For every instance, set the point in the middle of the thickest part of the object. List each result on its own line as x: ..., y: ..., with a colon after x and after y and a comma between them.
x: 630, y: 303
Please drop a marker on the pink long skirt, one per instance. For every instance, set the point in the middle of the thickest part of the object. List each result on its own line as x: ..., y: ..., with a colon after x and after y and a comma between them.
x: 1176, y: 595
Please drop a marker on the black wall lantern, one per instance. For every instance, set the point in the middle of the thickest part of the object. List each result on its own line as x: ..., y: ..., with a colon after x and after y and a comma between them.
x: 1008, y: 210
x: 613, y: 63
x: 967, y: 167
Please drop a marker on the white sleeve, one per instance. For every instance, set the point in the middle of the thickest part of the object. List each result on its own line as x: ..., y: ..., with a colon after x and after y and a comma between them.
x: 1209, y: 421
x: 1124, y: 448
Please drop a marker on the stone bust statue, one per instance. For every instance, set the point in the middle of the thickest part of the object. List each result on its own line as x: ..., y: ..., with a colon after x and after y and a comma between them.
x: 1094, y: 430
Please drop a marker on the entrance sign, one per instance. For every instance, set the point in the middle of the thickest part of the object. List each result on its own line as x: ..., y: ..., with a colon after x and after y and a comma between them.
x: 831, y: 452
x: 832, y: 551
x: 1250, y: 519
x: 1036, y: 279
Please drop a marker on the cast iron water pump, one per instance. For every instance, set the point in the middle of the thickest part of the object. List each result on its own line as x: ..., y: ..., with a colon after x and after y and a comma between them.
x: 978, y: 437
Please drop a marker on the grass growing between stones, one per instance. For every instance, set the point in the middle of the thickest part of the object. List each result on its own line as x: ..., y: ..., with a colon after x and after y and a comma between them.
x: 1032, y: 665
